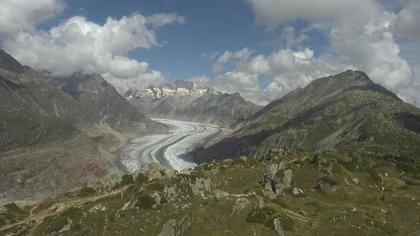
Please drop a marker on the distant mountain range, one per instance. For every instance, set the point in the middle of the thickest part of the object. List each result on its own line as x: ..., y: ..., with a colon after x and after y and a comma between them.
x: 58, y: 133
x: 185, y: 100
x: 346, y: 112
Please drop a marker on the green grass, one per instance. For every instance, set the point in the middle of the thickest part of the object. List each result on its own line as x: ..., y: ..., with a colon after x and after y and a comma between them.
x: 144, y: 201
x: 312, y: 214
x: 86, y: 191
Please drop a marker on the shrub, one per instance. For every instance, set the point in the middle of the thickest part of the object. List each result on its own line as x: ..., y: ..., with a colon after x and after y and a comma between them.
x: 54, y: 224
x: 141, y: 178
x: 260, y: 216
x: 86, y: 191
x: 126, y: 179
x: 373, y: 173
x: 145, y: 201
x: 73, y: 212
x: 156, y: 187
x: 329, y: 180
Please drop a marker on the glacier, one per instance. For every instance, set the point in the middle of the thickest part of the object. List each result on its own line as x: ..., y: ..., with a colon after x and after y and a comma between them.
x: 169, y: 149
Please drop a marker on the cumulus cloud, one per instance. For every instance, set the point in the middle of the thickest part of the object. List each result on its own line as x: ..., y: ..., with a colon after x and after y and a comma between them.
x: 78, y: 44
x: 287, y: 69
x: 272, y: 13
x: 365, y: 42
x: 161, y: 19
x: 407, y: 21
x: 18, y: 15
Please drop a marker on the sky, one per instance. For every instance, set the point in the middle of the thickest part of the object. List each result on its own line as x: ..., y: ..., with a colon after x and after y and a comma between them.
x: 260, y: 48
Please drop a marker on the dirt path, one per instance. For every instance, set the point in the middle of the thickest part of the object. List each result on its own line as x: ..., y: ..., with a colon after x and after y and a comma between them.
x: 34, y: 220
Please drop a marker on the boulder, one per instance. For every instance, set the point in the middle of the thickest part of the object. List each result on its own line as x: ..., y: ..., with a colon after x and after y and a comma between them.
x: 278, y: 227
x: 176, y: 228
x: 297, y: 192
x: 325, y: 168
x: 170, y: 194
x: 218, y: 194
x: 157, y: 198
x: 240, y: 204
x: 201, y: 187
x: 159, y: 171
x: 277, y: 179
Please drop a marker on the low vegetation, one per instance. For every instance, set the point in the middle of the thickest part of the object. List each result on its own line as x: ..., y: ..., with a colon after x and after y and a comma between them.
x: 330, y: 193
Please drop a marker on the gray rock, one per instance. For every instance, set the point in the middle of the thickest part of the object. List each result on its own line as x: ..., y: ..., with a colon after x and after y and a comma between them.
x: 170, y: 194
x: 277, y: 178
x: 218, y: 194
x: 240, y: 204
x: 278, y: 226
x: 169, y: 228
x: 97, y: 208
x: 260, y: 202
x: 355, y: 180
x: 201, y: 187
x: 156, y: 196
x: 159, y: 171
x: 297, y: 192
x: 325, y: 168
x: 176, y: 228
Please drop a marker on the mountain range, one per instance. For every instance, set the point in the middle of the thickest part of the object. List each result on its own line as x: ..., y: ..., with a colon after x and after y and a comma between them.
x: 184, y: 100
x: 59, y: 133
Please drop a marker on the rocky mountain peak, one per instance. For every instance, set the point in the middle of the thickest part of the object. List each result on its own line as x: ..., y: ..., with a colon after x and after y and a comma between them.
x: 178, y: 88
x: 10, y: 64
x: 345, y: 80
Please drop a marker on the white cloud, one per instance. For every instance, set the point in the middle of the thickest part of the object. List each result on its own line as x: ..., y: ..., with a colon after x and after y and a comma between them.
x: 287, y: 69
x: 161, y: 19
x: 78, y: 44
x: 272, y: 13
x: 408, y: 19
x: 360, y: 33
x: 18, y: 15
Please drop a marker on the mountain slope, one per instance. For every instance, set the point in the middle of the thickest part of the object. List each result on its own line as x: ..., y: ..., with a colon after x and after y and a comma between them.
x: 32, y: 111
x: 100, y: 102
x: 289, y: 193
x: 344, y: 111
x: 186, y: 101
x: 57, y: 134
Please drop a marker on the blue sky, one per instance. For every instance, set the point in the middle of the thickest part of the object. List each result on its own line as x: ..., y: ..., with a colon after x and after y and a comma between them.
x: 260, y: 48
x: 211, y: 26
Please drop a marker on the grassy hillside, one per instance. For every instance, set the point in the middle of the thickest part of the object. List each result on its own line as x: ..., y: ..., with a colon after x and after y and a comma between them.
x: 290, y: 192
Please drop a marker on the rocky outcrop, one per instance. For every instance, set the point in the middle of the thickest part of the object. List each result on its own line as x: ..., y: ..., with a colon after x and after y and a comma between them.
x: 159, y: 171
x: 176, y: 228
x: 201, y: 187
x: 278, y: 226
x: 10, y: 64
x: 240, y: 204
x: 277, y: 179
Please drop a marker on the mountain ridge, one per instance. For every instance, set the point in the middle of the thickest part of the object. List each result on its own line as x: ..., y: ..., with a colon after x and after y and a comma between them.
x: 185, y: 100
x: 53, y: 141
x: 333, y: 112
